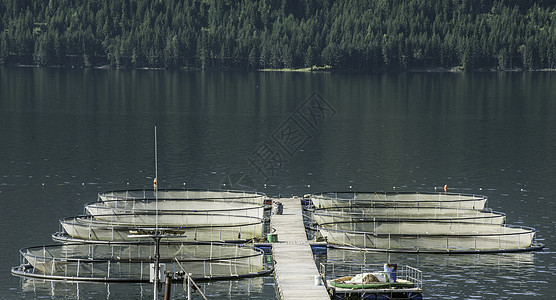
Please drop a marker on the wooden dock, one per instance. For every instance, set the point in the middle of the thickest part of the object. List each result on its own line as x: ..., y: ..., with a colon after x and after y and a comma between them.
x: 294, y: 267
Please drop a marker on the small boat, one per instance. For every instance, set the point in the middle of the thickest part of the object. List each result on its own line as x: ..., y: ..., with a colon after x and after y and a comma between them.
x: 377, y: 280
x: 404, y: 282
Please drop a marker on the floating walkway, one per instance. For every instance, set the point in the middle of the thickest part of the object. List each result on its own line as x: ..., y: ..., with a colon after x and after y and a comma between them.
x: 294, y: 267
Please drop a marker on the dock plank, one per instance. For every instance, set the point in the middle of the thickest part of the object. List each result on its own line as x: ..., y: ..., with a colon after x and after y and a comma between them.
x: 294, y: 268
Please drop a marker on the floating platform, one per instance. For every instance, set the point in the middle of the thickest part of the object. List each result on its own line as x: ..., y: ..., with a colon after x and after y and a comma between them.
x: 294, y: 268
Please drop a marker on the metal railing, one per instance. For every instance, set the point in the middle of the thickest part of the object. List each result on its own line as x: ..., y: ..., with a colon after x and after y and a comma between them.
x: 400, y: 199
x: 174, y: 206
x: 130, y: 263
x: 195, y: 227
x: 507, y: 239
x: 184, y: 194
x: 407, y: 214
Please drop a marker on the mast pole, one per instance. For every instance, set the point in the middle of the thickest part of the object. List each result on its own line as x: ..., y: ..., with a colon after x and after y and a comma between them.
x: 156, y: 178
x: 156, y: 233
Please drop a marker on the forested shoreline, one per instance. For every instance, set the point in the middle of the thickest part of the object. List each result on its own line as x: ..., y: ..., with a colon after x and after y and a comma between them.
x: 353, y: 35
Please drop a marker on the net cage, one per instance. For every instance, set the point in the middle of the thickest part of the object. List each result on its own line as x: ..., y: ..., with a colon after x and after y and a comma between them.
x: 250, y: 287
x: 429, y: 236
x: 184, y: 226
x: 417, y: 222
x: 353, y: 214
x: 132, y: 262
x: 165, y: 206
x: 398, y: 199
x: 184, y: 194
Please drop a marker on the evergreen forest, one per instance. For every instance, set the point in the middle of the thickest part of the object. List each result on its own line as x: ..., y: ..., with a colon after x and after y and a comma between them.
x: 350, y: 35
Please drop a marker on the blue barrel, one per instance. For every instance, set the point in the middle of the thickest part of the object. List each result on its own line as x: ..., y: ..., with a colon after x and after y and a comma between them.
x: 390, y: 270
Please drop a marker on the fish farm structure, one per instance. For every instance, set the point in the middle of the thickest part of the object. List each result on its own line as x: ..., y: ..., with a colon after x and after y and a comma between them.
x: 141, y: 235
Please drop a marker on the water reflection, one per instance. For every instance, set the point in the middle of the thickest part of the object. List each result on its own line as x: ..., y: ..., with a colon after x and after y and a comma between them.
x: 500, y: 260
x: 497, y: 275
x: 249, y: 288
x: 80, y: 132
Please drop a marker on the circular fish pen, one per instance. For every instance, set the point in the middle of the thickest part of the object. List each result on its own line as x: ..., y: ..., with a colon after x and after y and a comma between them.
x: 417, y: 222
x: 398, y: 199
x: 173, y: 206
x: 185, y: 226
x: 420, y: 236
x: 184, y: 194
x: 354, y: 214
x: 132, y: 262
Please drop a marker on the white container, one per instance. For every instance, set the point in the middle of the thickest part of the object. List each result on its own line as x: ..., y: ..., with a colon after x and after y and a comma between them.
x: 161, y: 271
x: 318, y: 280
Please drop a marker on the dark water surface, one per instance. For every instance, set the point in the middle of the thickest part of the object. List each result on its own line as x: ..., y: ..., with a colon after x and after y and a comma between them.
x: 68, y: 134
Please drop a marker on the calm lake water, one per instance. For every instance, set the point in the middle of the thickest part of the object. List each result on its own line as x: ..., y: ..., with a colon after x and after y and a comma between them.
x: 69, y: 134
